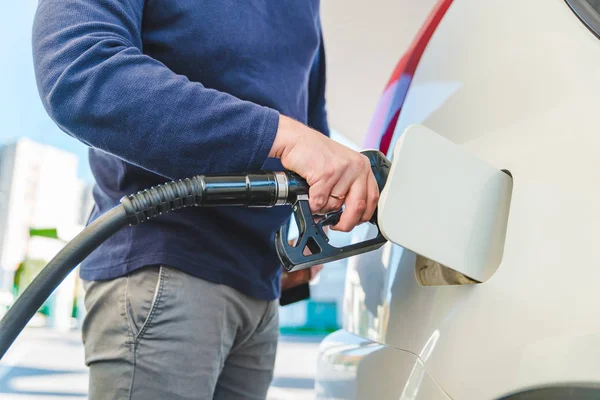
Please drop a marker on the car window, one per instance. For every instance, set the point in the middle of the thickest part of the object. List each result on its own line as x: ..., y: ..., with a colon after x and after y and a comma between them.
x: 588, y: 12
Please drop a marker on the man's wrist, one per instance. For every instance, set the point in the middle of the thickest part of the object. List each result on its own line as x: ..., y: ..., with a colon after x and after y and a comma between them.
x: 285, y: 138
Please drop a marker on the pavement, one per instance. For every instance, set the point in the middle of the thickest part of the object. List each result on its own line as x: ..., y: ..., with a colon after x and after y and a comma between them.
x: 47, y: 365
x: 295, y: 368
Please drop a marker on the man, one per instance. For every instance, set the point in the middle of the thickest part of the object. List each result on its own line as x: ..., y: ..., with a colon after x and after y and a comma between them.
x: 185, y: 306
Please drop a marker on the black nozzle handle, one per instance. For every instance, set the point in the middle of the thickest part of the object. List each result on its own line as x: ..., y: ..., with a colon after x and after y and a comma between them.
x: 313, y: 236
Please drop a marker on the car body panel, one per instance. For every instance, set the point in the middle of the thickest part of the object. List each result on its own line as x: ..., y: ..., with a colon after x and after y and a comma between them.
x: 356, y: 368
x: 516, y: 84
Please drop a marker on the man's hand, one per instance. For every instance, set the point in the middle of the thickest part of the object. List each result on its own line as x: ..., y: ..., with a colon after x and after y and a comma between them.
x: 336, y: 174
x: 295, y: 278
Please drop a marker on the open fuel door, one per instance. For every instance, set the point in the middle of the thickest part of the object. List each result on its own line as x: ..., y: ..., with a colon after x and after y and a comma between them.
x: 445, y: 204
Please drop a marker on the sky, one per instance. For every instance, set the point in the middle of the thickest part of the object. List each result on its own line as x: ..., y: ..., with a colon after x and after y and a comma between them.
x: 21, y: 111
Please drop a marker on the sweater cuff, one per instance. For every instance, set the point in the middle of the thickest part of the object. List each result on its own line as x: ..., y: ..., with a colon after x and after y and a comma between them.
x: 266, y: 136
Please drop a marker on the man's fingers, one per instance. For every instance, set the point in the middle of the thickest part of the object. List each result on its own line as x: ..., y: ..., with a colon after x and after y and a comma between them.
x: 372, y: 198
x: 338, y: 193
x: 318, y: 195
x: 349, y: 172
x: 356, y: 205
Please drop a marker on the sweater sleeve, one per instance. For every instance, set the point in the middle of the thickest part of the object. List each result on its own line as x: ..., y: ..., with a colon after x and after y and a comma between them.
x: 99, y: 87
x: 317, y: 113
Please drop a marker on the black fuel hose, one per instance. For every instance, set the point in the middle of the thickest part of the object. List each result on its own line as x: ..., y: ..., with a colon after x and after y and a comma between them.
x: 262, y: 189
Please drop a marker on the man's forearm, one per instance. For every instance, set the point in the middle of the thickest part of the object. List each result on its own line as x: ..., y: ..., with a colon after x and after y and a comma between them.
x: 99, y: 87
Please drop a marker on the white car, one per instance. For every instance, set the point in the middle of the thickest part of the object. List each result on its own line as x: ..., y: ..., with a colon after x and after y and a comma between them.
x: 515, y: 83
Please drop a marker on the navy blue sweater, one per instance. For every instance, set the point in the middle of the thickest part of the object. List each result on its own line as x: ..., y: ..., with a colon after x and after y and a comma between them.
x: 168, y: 89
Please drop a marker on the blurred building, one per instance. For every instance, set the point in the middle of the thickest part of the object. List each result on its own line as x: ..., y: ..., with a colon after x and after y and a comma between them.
x: 39, y: 187
x: 87, y: 203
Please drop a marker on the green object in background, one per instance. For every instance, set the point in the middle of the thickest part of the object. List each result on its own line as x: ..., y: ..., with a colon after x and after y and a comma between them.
x: 47, y: 232
x: 30, y: 268
x: 322, y: 315
x: 321, y: 318
x: 300, y: 331
x: 24, y: 274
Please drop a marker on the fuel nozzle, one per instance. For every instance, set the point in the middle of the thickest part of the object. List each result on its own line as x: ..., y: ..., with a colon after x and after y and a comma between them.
x: 260, y: 189
x: 312, y: 236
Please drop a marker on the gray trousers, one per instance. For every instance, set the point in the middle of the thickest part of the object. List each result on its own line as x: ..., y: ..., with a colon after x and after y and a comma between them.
x: 160, y: 333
